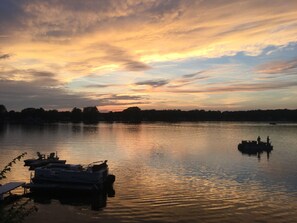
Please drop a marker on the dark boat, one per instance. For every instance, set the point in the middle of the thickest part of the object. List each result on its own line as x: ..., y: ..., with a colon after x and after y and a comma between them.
x: 254, y: 147
x: 70, y: 177
x: 43, y: 160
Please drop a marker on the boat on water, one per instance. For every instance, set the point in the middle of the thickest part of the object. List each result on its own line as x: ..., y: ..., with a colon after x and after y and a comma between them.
x: 43, y: 160
x: 56, y: 176
x: 254, y: 147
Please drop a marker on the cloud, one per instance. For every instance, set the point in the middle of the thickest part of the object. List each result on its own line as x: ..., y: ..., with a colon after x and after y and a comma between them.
x: 56, y: 41
x: 188, y: 79
x: 244, y: 87
x: 174, y: 82
x: 99, y: 85
x: 114, y: 99
x: 153, y: 83
x: 165, y: 29
x: 21, y: 94
x: 4, y: 56
x: 12, y: 16
x: 34, y: 88
x: 279, y: 67
x: 41, y: 78
x: 119, y: 55
x: 131, y: 65
x: 123, y: 97
x: 193, y: 74
x: 106, y: 54
x: 130, y: 35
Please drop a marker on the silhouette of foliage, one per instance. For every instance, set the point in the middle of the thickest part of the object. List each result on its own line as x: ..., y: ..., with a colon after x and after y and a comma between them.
x: 7, y: 168
x: 3, y: 113
x: 2, y: 109
x: 15, y: 210
x: 76, y: 115
x: 132, y: 114
x: 136, y: 115
x: 90, y: 114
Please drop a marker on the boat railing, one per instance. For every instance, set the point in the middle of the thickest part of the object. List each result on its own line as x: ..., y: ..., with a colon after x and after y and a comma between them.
x: 97, y: 163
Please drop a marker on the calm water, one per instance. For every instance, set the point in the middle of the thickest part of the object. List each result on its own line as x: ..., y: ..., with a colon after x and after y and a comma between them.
x: 187, y: 172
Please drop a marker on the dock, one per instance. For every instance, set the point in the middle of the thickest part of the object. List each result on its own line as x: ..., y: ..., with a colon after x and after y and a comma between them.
x: 6, y: 188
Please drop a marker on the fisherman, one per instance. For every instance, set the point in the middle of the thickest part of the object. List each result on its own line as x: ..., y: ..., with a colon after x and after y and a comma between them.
x: 258, y: 139
x: 268, y: 140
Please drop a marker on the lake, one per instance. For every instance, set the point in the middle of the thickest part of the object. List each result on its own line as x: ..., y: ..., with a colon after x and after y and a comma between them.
x: 181, y: 172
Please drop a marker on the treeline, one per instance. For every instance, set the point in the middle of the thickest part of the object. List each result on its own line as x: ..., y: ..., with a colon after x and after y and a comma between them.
x: 135, y: 115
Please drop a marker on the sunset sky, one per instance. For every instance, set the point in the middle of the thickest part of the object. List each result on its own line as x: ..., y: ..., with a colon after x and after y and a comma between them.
x: 161, y: 54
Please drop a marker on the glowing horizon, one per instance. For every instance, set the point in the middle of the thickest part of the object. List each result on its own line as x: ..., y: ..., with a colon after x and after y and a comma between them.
x: 218, y: 55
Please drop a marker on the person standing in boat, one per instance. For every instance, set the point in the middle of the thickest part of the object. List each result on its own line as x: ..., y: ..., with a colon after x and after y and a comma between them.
x: 259, y: 139
x: 268, y: 140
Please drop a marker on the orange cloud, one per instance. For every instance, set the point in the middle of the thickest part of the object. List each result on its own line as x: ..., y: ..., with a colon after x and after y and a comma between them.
x: 138, y: 33
x: 73, y: 39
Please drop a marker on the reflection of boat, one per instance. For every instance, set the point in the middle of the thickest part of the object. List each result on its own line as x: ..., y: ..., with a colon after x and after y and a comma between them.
x: 97, y: 200
x: 43, y: 160
x: 71, y: 177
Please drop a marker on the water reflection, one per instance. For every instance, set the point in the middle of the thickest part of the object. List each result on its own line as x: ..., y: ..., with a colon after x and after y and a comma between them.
x: 187, y: 172
x: 76, y: 128
x: 257, y: 154
x: 3, y: 130
x: 95, y: 200
x: 15, y: 208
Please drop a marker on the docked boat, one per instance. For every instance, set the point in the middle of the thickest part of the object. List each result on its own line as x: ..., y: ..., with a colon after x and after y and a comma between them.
x: 43, y: 160
x: 255, y: 146
x: 71, y: 177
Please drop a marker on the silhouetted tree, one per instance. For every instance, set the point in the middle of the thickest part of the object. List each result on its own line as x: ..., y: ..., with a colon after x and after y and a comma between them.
x: 52, y: 116
x: 135, y: 114
x: 90, y: 114
x: 3, y: 113
x: 2, y: 109
x: 76, y: 115
x: 33, y: 115
x: 132, y: 114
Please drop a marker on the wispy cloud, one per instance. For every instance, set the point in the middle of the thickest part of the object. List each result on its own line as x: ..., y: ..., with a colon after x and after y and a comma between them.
x: 129, y: 62
x: 153, y: 83
x: 41, y: 78
x: 279, y: 67
x: 198, y: 73
x: 99, y: 85
x: 122, y: 100
x: 4, y: 56
x: 187, y: 79
x: 105, y: 55
x: 175, y: 82
x: 244, y: 87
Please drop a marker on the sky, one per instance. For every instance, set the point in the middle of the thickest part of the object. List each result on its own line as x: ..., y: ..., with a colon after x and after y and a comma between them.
x: 154, y: 54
